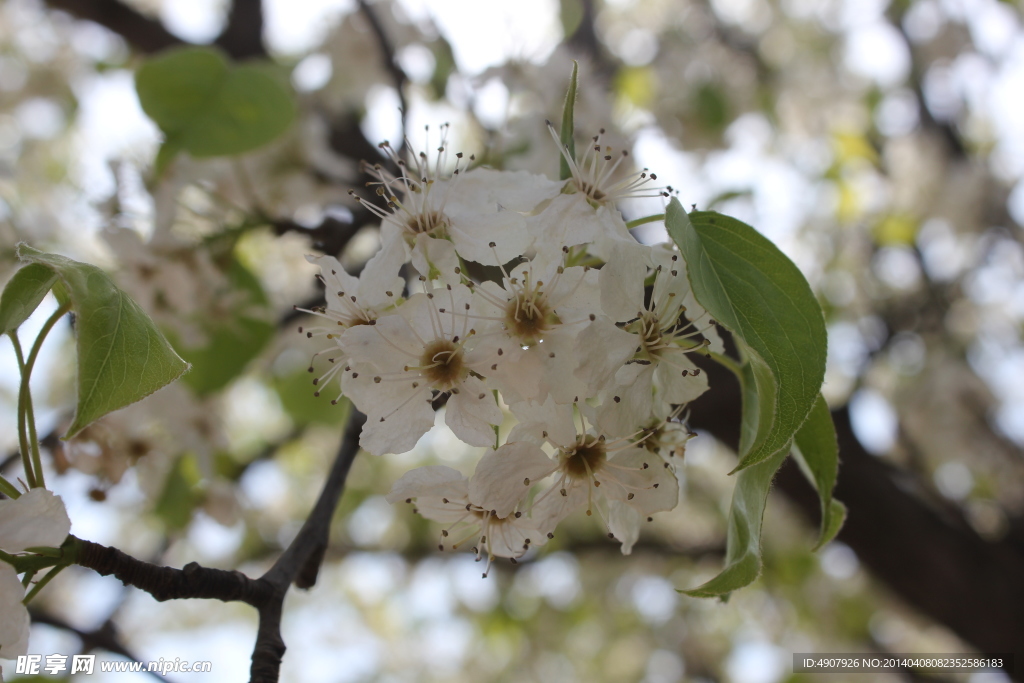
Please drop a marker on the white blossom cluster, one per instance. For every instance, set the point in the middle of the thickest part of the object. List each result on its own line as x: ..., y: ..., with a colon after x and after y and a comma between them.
x: 529, y: 293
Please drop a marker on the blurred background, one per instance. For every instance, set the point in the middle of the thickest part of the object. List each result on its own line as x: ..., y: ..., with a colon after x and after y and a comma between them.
x: 879, y: 144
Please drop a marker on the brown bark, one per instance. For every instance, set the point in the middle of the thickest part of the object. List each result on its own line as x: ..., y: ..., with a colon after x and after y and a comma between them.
x: 928, y: 555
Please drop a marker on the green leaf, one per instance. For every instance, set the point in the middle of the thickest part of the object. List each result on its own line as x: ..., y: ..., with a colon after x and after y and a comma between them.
x: 209, y: 107
x: 177, y: 86
x: 743, y: 542
x: 817, y: 452
x: 180, y: 495
x: 566, y: 136
x: 836, y: 518
x: 756, y: 292
x: 233, y: 341
x: 298, y: 399
x: 743, y: 539
x: 122, y: 357
x: 23, y: 294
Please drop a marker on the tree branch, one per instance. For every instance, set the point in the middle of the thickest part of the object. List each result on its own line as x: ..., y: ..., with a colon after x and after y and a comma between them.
x: 242, y: 37
x: 932, y: 559
x: 300, y: 562
x: 167, y: 583
x: 103, y: 638
x: 143, y: 33
x: 387, y: 50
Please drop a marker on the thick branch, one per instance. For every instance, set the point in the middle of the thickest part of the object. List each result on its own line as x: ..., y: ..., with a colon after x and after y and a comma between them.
x: 167, y: 583
x: 242, y: 38
x: 143, y: 33
x: 930, y: 557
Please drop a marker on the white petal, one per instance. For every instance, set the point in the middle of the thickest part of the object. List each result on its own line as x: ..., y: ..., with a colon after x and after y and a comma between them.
x: 336, y: 279
x: 624, y: 524
x: 380, y: 276
x: 676, y: 388
x: 435, y: 259
x: 547, y: 421
x: 503, y: 477
x: 622, y: 282
x: 602, y: 348
x: 397, y: 414
x: 633, y: 409
x: 14, y: 625
x: 474, y: 233
x: 37, y: 518
x: 472, y: 413
x: 654, y: 488
x: 511, y: 536
x: 481, y: 188
x: 551, y: 507
x: 423, y: 481
x: 389, y: 344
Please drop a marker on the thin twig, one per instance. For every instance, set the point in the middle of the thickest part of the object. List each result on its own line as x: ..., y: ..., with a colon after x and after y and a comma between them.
x: 387, y: 50
x: 300, y: 562
x: 103, y: 638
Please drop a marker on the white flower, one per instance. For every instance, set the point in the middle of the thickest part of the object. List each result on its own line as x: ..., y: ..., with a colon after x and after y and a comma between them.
x: 481, y: 211
x: 36, y: 519
x: 355, y: 301
x: 590, y: 469
x: 665, y: 328
x: 444, y: 495
x: 583, y: 210
x: 542, y: 310
x: 399, y: 362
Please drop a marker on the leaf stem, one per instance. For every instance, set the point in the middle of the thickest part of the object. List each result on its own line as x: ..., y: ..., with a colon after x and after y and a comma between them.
x: 26, y: 452
x: 25, y: 375
x: 646, y: 219
x: 42, y: 582
x: 8, y: 489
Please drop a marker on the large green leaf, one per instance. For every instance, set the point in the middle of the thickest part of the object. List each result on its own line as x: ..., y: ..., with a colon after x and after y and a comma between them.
x: 817, y: 452
x: 567, y: 132
x: 122, y: 357
x: 756, y: 292
x: 209, y: 107
x: 743, y: 542
x: 743, y: 538
x: 22, y: 295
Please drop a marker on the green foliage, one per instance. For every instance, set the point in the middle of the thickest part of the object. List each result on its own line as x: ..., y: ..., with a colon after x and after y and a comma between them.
x: 208, y: 107
x: 233, y: 341
x: 23, y: 294
x: 566, y: 135
x: 743, y: 538
x: 743, y: 545
x: 817, y: 452
x: 759, y: 295
x: 122, y: 356
x: 570, y: 13
x: 296, y: 392
x: 711, y: 106
x: 180, y: 495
